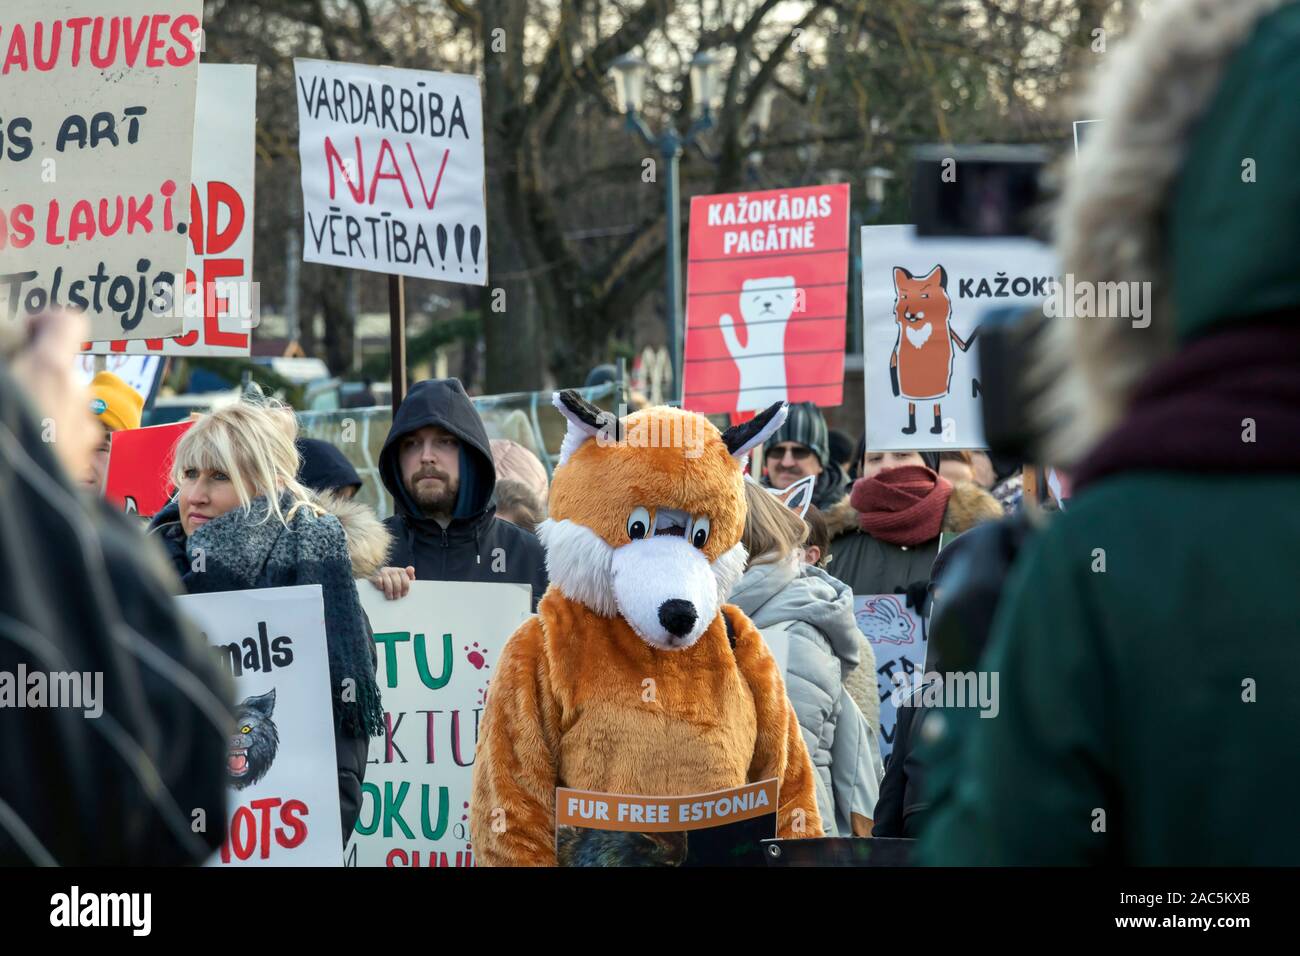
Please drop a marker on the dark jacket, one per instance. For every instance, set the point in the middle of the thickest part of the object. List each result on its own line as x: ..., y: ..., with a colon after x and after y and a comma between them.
x: 241, y: 552
x: 83, y: 591
x: 476, y: 545
x: 965, y: 585
x: 902, y: 807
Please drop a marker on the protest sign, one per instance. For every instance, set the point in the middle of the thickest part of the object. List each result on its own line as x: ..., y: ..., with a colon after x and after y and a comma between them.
x: 95, y: 144
x: 922, y: 300
x: 765, y: 299
x: 1082, y: 128
x: 392, y: 170
x: 437, y: 647
x: 281, y: 765
x: 141, y: 372
x: 1059, y: 486
x: 220, y: 302
x: 139, y: 467
x: 722, y: 828
x: 897, y: 637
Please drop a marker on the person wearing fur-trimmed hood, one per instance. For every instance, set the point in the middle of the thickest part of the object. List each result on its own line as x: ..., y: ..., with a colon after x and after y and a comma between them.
x: 1147, y: 642
x: 885, y: 534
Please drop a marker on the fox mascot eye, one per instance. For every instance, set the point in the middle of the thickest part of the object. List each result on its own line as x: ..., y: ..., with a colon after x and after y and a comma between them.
x: 638, y: 523
x: 698, y: 532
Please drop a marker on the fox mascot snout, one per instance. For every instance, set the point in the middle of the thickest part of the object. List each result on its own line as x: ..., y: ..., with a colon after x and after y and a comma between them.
x: 633, y: 677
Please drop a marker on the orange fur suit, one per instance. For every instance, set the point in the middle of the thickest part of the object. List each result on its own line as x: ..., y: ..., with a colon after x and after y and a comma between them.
x: 626, y: 680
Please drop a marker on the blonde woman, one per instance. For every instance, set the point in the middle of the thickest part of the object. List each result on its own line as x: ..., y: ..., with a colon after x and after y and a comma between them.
x: 814, y: 612
x: 240, y: 508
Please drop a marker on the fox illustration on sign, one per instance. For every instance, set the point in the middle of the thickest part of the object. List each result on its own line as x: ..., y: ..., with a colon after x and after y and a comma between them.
x: 920, y: 368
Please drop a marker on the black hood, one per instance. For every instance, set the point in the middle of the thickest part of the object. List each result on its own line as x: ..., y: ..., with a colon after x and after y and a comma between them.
x: 323, y: 467
x: 440, y: 402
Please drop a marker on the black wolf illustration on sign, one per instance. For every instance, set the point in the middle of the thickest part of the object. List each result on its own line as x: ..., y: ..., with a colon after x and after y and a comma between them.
x: 254, y: 742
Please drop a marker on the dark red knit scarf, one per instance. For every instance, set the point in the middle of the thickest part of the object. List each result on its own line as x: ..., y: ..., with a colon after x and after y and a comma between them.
x: 903, y: 506
x: 1190, y: 413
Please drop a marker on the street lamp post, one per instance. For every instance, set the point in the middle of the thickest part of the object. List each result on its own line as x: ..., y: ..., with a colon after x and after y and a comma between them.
x: 629, y: 79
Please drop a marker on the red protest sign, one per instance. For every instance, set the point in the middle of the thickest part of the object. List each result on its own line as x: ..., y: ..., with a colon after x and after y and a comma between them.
x: 139, y: 466
x: 767, y: 280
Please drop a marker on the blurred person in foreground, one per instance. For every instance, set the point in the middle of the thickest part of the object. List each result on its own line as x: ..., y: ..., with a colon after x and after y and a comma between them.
x: 1148, y: 644
x: 117, y: 780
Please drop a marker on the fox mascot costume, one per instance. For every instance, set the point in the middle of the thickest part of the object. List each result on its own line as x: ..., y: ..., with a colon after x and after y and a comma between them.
x: 633, y: 677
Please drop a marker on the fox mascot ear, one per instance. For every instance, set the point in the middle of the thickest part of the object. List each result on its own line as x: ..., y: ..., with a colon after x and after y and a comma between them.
x: 740, y: 439
x: 798, y: 496
x: 585, y: 421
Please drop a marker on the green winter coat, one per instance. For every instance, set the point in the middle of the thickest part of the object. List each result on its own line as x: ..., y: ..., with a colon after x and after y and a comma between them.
x: 1139, y: 698
x: 1147, y: 646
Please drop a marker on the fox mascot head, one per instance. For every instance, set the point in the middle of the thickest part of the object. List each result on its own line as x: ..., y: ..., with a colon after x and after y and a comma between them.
x: 646, y: 515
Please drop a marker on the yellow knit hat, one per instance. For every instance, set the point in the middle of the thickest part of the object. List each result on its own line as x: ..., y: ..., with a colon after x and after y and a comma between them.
x: 115, y: 403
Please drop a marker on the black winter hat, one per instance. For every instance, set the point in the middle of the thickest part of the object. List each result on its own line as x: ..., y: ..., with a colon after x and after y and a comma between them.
x: 324, y: 467
x: 805, y: 425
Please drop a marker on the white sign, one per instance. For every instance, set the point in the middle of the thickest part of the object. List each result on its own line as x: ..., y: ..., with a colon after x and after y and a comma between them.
x: 922, y: 300
x: 281, y: 764
x: 220, y: 304
x: 392, y: 170
x: 438, y: 649
x: 138, y: 371
x: 1080, y: 131
x: 898, y: 640
x: 97, y: 124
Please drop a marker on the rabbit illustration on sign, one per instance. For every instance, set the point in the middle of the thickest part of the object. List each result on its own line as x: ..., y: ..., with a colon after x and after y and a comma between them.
x: 884, y: 620
x: 766, y: 306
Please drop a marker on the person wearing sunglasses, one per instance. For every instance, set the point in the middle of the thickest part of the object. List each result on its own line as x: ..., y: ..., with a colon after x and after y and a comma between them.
x: 799, y: 448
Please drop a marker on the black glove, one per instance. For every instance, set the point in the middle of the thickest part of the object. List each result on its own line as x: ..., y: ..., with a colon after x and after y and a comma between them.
x: 916, y: 593
x: 893, y: 379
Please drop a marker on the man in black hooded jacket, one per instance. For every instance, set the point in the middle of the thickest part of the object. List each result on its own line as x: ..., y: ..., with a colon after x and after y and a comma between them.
x: 437, y: 465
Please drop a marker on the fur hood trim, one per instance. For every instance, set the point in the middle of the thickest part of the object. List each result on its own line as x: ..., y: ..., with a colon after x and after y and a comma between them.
x: 840, y: 517
x: 969, y: 505
x: 368, y: 540
x: 1111, y: 222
